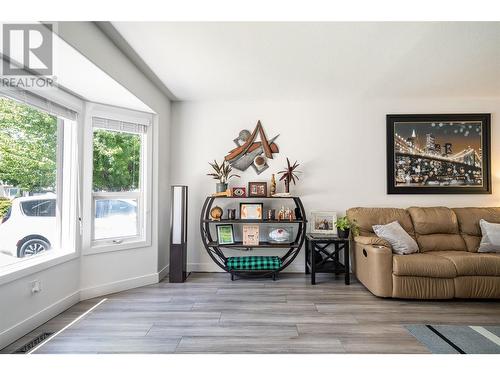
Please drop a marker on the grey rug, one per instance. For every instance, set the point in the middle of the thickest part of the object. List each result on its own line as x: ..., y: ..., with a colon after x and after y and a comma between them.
x: 450, y: 339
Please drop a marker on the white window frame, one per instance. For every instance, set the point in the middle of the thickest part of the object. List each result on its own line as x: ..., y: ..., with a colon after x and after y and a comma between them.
x: 70, y: 210
x: 143, y: 196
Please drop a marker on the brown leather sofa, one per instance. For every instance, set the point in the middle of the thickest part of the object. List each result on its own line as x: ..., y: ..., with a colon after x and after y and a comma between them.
x: 447, y: 264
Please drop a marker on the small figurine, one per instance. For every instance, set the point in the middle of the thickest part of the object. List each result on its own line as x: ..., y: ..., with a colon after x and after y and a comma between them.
x: 281, y: 213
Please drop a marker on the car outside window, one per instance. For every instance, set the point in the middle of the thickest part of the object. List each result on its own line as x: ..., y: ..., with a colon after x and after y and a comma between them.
x: 45, y: 208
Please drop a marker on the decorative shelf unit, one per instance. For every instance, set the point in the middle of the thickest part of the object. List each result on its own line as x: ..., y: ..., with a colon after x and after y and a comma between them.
x: 216, y: 250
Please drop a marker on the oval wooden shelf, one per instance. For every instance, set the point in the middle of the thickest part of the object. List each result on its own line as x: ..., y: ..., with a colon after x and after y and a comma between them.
x: 216, y: 251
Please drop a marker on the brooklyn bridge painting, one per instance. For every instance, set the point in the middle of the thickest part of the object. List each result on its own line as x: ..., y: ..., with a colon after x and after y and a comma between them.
x: 438, y: 154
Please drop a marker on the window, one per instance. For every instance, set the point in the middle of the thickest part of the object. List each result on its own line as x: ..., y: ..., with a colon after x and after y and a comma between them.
x: 118, y: 181
x: 36, y: 180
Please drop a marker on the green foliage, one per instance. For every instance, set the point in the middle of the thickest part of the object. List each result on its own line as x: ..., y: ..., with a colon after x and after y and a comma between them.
x: 116, y: 161
x: 222, y: 171
x: 28, y: 144
x: 28, y: 151
x: 344, y: 223
x: 5, y: 204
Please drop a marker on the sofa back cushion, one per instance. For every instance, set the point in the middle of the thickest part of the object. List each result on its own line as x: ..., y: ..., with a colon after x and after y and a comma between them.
x: 468, y: 222
x: 367, y: 217
x: 436, y: 229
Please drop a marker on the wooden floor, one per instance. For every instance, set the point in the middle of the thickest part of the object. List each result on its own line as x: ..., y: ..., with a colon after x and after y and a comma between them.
x: 211, y: 314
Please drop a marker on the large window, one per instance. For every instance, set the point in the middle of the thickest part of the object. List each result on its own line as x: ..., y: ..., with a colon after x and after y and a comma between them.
x: 118, y: 181
x: 36, y: 156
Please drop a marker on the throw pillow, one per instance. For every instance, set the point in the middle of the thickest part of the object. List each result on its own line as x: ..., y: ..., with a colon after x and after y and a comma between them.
x: 490, y: 243
x: 401, y: 242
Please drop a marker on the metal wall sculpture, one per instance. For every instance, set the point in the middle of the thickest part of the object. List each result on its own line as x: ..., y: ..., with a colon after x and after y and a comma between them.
x: 251, y: 152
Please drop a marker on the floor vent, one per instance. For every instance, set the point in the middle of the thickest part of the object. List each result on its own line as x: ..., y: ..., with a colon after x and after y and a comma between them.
x: 36, y: 341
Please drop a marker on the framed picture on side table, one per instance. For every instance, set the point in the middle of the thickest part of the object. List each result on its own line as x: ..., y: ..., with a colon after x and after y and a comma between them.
x: 323, y: 222
x: 225, y: 235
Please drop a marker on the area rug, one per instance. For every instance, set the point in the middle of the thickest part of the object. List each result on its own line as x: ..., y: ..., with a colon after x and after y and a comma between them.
x: 451, y: 339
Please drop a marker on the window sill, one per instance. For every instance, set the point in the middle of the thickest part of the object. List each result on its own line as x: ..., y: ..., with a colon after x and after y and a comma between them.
x: 106, y: 247
x: 28, y: 267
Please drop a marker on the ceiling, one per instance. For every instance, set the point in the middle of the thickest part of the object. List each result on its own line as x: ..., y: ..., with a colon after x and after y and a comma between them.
x: 237, y: 61
x: 77, y: 74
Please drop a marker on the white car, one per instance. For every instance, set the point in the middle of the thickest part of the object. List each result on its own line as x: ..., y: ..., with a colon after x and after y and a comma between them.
x: 29, y: 227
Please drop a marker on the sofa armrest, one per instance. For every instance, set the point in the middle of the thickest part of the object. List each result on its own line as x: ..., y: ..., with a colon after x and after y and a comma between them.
x: 366, y: 240
x: 373, y: 267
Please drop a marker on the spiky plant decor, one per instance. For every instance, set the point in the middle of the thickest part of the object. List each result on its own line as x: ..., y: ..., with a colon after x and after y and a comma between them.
x: 289, y: 174
x: 222, y: 171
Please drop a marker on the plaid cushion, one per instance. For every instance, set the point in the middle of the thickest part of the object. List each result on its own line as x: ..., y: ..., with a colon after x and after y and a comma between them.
x: 254, y: 263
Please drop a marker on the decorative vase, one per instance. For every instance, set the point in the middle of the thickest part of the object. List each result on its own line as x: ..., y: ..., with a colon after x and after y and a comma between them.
x: 220, y: 187
x: 287, y: 186
x: 343, y: 233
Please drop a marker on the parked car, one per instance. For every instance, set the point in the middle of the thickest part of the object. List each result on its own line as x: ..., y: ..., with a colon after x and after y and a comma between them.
x: 29, y: 226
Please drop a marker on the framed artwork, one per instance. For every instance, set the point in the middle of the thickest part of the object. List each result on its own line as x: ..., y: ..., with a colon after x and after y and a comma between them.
x: 257, y: 189
x: 251, y: 211
x: 250, y: 235
x: 323, y: 222
x: 225, y: 235
x: 239, y: 192
x: 438, y: 154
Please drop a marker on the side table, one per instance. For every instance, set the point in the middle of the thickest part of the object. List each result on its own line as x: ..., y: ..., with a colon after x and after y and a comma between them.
x: 317, y: 244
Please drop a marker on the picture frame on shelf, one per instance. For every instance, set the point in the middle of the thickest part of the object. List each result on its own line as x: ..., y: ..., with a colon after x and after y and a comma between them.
x: 250, y: 235
x: 439, y: 154
x: 323, y: 222
x: 225, y: 234
x: 257, y: 189
x: 251, y: 211
x: 239, y: 192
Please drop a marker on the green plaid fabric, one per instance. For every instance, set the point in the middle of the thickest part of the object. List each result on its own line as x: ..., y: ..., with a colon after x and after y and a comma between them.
x: 254, y: 263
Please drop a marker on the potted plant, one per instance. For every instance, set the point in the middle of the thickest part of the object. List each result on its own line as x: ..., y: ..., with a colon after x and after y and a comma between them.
x: 289, y: 174
x: 222, y: 172
x: 344, y: 227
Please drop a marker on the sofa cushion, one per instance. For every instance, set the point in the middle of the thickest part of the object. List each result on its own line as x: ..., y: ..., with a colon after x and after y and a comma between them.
x: 468, y: 221
x: 436, y: 229
x: 431, y: 220
x: 400, y: 240
x: 367, y: 217
x: 472, y: 264
x: 423, y: 265
x: 490, y: 243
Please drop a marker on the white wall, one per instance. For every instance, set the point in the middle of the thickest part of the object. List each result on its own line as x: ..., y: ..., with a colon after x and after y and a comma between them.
x: 340, y: 145
x: 91, y: 275
x: 105, y: 272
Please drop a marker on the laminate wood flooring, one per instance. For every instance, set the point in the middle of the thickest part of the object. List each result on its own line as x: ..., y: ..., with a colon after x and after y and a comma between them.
x: 212, y: 314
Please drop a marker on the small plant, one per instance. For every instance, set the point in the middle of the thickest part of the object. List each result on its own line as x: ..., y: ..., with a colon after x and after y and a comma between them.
x: 343, y: 223
x: 222, y: 171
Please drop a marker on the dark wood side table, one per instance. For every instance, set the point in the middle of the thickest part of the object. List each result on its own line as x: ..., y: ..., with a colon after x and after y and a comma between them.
x: 317, y: 244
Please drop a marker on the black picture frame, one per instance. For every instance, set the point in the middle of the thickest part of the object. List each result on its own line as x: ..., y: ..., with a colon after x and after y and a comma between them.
x: 258, y: 184
x: 218, y: 226
x: 261, y: 205
x: 450, y: 119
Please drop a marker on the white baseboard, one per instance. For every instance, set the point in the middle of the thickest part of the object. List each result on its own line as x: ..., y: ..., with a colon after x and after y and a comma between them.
x: 118, y: 286
x: 17, y: 331
x: 163, y: 273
